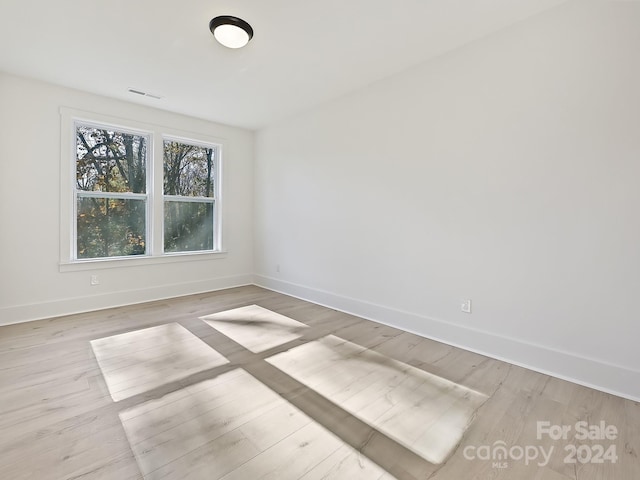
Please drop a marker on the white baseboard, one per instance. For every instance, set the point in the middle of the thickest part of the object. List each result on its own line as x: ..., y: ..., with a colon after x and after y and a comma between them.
x: 69, y: 306
x: 590, y: 372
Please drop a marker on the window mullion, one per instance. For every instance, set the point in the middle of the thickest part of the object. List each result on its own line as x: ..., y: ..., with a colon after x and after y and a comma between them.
x: 117, y: 195
x: 180, y: 198
x: 156, y: 204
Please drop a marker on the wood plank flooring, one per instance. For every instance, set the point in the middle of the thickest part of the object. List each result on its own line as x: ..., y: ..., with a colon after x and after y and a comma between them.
x: 246, y: 383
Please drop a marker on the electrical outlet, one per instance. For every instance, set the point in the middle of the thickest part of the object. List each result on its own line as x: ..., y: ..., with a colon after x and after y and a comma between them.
x: 465, y: 305
x: 95, y: 280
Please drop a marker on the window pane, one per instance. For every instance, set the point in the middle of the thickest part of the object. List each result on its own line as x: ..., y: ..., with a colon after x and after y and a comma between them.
x: 188, y: 226
x: 189, y: 169
x: 110, y: 227
x: 110, y: 161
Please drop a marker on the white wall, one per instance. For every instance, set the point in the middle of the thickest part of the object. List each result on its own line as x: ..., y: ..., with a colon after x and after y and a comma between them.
x: 506, y: 172
x: 32, y: 285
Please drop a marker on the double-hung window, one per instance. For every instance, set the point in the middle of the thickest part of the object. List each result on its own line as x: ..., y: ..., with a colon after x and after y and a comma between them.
x: 111, y: 192
x: 139, y: 191
x: 189, y: 196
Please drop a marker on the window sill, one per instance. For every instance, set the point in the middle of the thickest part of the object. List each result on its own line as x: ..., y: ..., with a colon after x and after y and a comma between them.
x: 103, y: 263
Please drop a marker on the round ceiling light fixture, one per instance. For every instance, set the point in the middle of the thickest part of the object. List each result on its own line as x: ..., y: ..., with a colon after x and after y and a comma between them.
x: 232, y: 32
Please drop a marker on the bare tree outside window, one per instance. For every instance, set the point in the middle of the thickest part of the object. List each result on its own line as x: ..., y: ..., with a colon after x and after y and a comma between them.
x: 189, y: 196
x: 111, y: 200
x: 115, y: 214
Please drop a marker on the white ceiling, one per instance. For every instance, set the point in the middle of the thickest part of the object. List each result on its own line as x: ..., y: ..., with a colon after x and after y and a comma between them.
x: 304, y: 52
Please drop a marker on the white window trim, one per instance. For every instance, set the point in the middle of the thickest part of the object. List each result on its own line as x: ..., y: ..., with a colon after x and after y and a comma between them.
x: 68, y: 119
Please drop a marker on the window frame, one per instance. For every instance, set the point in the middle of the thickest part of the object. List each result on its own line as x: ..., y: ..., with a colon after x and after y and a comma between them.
x: 154, y: 235
x: 181, y: 198
x: 146, y: 197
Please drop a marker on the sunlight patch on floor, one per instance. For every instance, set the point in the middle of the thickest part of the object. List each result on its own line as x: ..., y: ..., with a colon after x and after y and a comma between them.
x: 139, y: 361
x: 423, y: 412
x: 255, y: 328
x: 235, y: 427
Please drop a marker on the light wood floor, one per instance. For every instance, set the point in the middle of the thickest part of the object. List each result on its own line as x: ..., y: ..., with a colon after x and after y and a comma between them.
x: 246, y: 383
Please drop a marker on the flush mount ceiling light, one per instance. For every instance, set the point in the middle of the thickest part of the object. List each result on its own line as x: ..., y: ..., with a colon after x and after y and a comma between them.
x: 232, y: 32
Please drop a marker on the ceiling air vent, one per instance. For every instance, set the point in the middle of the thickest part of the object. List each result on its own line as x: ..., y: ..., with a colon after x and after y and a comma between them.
x: 144, y: 94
